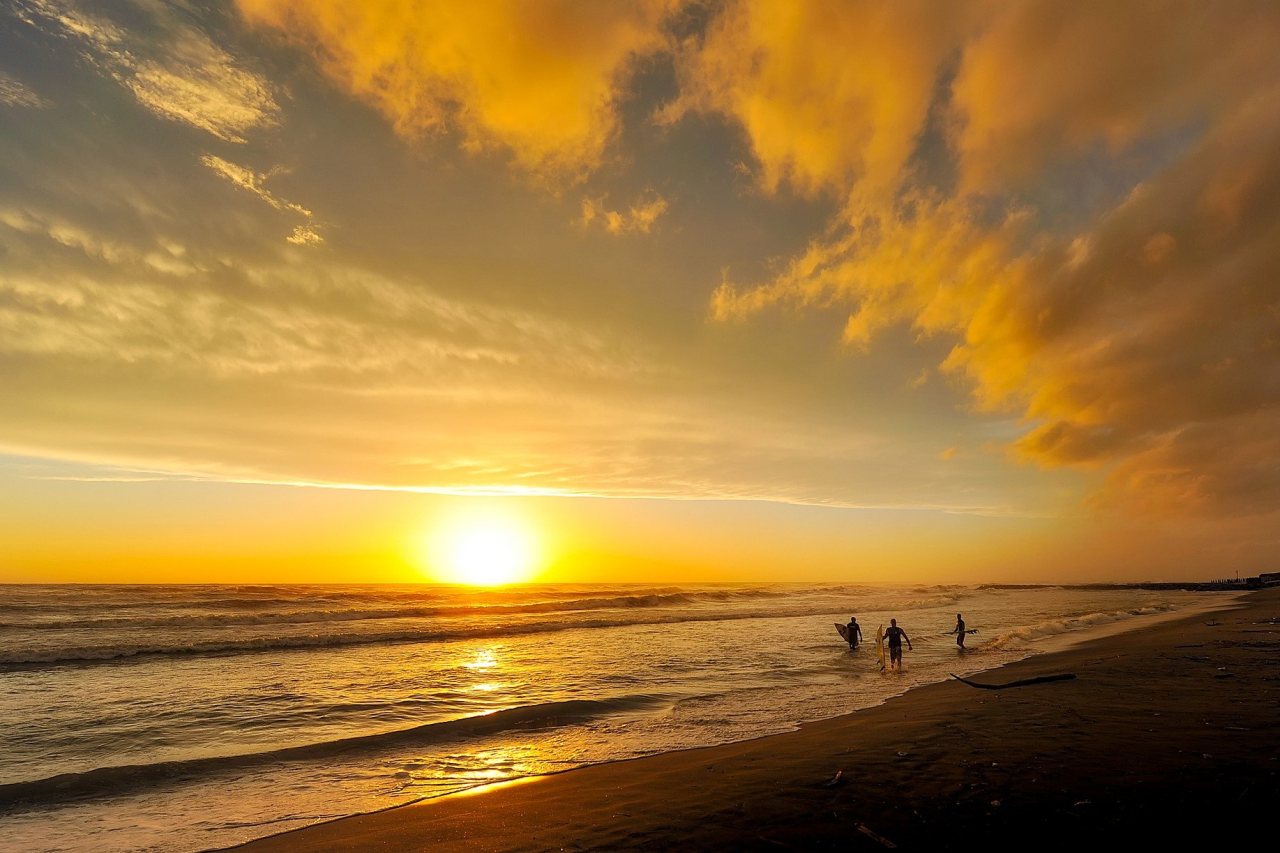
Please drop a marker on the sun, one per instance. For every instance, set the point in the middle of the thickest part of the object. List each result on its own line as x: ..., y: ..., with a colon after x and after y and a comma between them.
x: 481, y: 550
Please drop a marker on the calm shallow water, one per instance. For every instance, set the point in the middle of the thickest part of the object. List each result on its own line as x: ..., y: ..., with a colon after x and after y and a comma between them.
x: 181, y: 718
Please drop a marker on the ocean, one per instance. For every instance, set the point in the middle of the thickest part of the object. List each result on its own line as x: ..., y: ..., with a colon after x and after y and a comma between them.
x: 182, y: 718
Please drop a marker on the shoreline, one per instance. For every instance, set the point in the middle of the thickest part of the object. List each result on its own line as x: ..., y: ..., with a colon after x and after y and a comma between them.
x: 1071, y: 639
x: 479, y: 817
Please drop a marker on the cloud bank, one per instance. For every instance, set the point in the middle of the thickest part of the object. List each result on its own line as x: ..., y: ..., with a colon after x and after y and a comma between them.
x: 1144, y: 339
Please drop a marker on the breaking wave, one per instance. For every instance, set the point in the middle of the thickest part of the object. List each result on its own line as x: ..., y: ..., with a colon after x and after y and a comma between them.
x: 619, y: 611
x: 347, y: 614
x: 118, y: 779
x: 1061, y: 625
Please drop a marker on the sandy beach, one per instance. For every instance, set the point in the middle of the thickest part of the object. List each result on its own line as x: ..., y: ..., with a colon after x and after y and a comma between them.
x: 1169, y: 733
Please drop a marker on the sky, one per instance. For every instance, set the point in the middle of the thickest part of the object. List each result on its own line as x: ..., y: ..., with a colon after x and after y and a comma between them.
x: 742, y: 290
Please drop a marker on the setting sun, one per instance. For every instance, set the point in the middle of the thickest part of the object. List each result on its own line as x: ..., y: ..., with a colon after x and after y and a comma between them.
x: 481, y: 550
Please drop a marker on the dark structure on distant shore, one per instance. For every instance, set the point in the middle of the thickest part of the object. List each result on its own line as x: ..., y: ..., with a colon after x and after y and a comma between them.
x: 1265, y: 579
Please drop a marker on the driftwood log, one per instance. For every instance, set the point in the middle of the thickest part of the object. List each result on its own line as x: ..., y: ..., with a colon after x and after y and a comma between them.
x: 1024, y: 682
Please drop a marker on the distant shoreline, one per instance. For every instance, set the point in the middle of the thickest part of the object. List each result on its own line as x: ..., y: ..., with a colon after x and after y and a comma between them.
x: 1187, y: 586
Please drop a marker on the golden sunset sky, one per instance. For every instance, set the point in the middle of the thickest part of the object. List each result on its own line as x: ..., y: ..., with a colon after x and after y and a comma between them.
x: 764, y: 290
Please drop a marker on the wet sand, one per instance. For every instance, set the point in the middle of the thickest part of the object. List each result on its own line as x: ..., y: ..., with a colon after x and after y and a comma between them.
x: 1170, y: 734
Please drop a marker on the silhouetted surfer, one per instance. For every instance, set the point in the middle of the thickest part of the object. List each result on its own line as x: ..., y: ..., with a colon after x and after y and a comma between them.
x: 895, y: 636
x: 959, y: 631
x: 853, y: 632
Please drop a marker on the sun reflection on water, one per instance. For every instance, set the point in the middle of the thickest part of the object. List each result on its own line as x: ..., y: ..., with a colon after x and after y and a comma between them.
x: 483, y: 659
x: 499, y: 763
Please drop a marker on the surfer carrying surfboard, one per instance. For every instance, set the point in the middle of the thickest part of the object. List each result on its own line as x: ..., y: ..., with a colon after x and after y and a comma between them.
x: 895, y: 636
x: 853, y: 632
x: 959, y: 631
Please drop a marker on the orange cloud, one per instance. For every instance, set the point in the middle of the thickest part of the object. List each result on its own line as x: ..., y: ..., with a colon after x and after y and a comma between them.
x: 540, y: 81
x: 639, y: 218
x: 1147, y: 343
x: 830, y: 95
x: 1170, y: 368
x: 1045, y: 80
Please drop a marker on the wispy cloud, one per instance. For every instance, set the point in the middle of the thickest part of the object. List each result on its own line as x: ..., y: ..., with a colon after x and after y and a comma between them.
x: 288, y: 323
x: 254, y: 182
x: 181, y: 76
x: 638, y: 218
x: 14, y: 93
x: 305, y: 234
x: 313, y: 373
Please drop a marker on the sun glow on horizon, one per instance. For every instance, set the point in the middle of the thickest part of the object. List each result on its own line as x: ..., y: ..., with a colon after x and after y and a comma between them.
x: 481, y: 549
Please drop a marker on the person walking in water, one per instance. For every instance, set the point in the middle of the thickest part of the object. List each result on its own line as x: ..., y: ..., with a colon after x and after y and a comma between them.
x: 960, y: 632
x: 895, y: 636
x: 853, y: 632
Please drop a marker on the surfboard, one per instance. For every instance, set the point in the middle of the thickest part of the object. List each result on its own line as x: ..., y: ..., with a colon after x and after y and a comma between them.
x: 843, y: 630
x: 880, y: 645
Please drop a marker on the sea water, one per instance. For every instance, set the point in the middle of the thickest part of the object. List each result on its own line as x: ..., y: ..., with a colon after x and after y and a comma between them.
x: 181, y: 718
